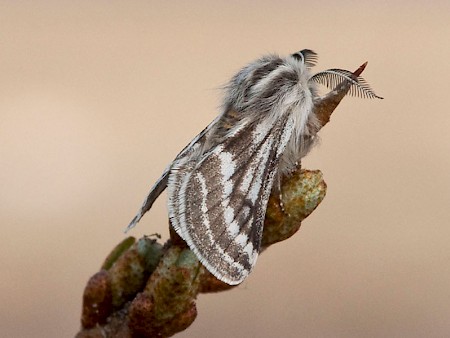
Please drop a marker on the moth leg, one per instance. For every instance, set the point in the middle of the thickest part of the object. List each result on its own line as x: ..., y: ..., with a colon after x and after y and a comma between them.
x: 297, y: 167
x: 281, y: 204
x: 280, y: 195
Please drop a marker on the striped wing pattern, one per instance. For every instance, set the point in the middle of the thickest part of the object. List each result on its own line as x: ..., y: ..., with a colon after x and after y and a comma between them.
x: 217, y: 205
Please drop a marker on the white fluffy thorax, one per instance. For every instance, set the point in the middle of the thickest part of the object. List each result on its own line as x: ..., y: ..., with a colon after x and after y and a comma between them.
x: 268, y: 89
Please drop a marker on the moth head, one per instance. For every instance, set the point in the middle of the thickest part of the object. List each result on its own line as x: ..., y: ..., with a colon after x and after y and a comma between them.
x: 264, y: 84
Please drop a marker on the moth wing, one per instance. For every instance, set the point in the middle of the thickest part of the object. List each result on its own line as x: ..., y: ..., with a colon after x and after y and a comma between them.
x: 218, y: 204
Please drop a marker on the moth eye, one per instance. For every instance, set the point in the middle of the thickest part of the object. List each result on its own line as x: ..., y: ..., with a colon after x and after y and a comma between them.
x: 307, y: 57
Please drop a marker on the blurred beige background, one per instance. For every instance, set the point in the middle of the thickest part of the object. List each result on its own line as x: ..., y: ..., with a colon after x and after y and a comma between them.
x: 97, y: 97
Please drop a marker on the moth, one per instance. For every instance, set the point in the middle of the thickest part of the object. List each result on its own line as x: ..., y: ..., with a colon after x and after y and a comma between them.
x: 220, y: 183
